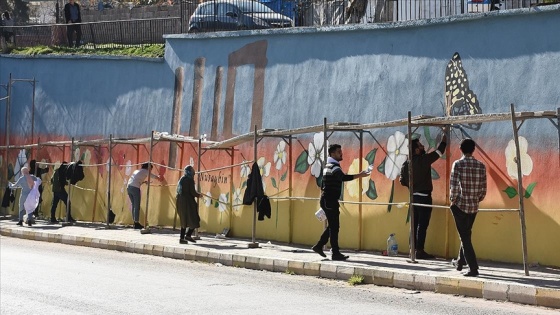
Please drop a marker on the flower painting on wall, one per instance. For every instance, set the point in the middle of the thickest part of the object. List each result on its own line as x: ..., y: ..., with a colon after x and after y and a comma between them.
x: 525, y: 163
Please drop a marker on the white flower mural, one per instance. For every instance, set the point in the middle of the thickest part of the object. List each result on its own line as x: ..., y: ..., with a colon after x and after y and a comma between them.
x: 87, y: 157
x: 280, y: 155
x: 237, y: 197
x: 245, y: 169
x: 128, y: 168
x: 316, y: 154
x: 397, y: 154
x: 264, y: 168
x: 207, y: 199
x: 353, y: 186
x: 223, y: 202
x: 525, y: 159
x: 43, y: 164
x: 77, y: 154
x: 21, y: 161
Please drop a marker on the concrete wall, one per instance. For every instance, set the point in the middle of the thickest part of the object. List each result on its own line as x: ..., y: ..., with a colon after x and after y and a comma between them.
x: 294, y: 78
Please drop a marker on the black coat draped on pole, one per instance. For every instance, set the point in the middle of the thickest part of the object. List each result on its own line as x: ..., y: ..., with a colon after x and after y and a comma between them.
x: 254, y: 191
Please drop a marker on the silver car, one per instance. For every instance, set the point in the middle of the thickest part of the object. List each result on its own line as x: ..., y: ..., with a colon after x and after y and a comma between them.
x: 229, y: 15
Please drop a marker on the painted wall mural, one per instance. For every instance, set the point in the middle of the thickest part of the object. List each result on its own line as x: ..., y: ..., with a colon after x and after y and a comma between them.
x: 284, y: 80
x: 459, y: 98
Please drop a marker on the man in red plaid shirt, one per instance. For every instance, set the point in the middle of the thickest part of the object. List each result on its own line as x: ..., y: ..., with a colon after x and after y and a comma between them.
x: 467, y: 190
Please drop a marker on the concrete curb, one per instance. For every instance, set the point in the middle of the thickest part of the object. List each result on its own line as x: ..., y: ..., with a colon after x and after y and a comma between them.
x: 476, y: 287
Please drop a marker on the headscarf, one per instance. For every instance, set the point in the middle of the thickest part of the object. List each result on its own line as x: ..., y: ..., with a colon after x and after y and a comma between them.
x: 25, y: 173
x: 189, y: 173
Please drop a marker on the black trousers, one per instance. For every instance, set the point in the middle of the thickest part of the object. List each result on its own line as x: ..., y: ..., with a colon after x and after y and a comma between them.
x: 70, y: 29
x: 464, y: 223
x: 332, y: 210
x: 59, y: 196
x: 422, y: 217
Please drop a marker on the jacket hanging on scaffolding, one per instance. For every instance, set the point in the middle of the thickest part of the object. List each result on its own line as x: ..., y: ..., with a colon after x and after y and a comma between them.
x: 75, y: 172
x: 9, y: 197
x: 254, y: 186
x: 254, y: 191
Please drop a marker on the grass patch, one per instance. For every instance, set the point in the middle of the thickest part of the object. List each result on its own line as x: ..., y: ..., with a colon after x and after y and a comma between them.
x: 356, y: 279
x: 289, y: 272
x: 148, y: 51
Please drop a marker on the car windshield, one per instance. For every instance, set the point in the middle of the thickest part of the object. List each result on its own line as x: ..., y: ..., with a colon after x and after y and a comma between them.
x: 253, y: 7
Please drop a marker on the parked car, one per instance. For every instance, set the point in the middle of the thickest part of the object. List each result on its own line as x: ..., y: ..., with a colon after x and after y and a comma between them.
x: 229, y: 15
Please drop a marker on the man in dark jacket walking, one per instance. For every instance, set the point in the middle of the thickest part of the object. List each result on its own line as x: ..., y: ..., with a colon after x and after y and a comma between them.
x: 331, y: 189
x: 73, y: 15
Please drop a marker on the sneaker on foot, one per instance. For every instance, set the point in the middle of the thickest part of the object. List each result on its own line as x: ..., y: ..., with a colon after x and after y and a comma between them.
x: 54, y: 220
x: 20, y: 223
x: 190, y: 239
x: 138, y: 226
x: 183, y: 241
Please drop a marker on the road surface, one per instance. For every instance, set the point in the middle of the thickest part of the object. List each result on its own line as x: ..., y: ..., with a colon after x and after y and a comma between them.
x: 49, y: 278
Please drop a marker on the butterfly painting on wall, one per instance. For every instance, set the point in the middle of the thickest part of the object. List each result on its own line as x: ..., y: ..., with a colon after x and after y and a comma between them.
x: 459, y: 98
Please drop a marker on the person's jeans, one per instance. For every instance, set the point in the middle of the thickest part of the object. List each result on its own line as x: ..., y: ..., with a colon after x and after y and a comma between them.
x: 464, y: 223
x: 422, y: 217
x: 332, y: 211
x: 60, y: 196
x: 134, y: 195
x: 70, y: 29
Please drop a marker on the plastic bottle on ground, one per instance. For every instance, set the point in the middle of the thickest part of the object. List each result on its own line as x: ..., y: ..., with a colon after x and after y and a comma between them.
x: 392, y: 246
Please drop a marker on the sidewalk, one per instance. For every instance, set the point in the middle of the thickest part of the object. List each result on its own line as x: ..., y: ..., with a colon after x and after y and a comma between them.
x: 497, y: 281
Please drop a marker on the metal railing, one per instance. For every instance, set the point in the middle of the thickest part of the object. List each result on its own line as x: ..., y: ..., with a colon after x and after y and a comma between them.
x: 112, y: 34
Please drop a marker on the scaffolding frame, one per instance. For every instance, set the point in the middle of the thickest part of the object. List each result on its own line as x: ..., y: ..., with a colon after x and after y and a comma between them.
x: 423, y: 120
x: 180, y: 140
x: 358, y: 129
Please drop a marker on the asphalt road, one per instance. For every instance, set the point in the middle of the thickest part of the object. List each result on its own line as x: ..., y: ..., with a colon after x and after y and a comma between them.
x: 48, y: 278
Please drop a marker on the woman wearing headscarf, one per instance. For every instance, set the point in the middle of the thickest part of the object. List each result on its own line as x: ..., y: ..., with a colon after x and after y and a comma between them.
x: 187, y: 208
x: 26, y: 182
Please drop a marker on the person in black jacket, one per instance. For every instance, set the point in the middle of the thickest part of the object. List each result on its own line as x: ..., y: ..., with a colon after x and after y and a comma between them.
x: 331, y: 189
x: 422, y: 191
x: 72, y: 15
x: 58, y: 181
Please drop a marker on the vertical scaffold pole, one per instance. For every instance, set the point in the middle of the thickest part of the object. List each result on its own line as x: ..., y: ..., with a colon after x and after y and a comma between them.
x: 69, y: 197
x: 520, y: 190
x: 146, y: 224
x: 253, y: 243
x: 412, y: 238
x: 110, y: 164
